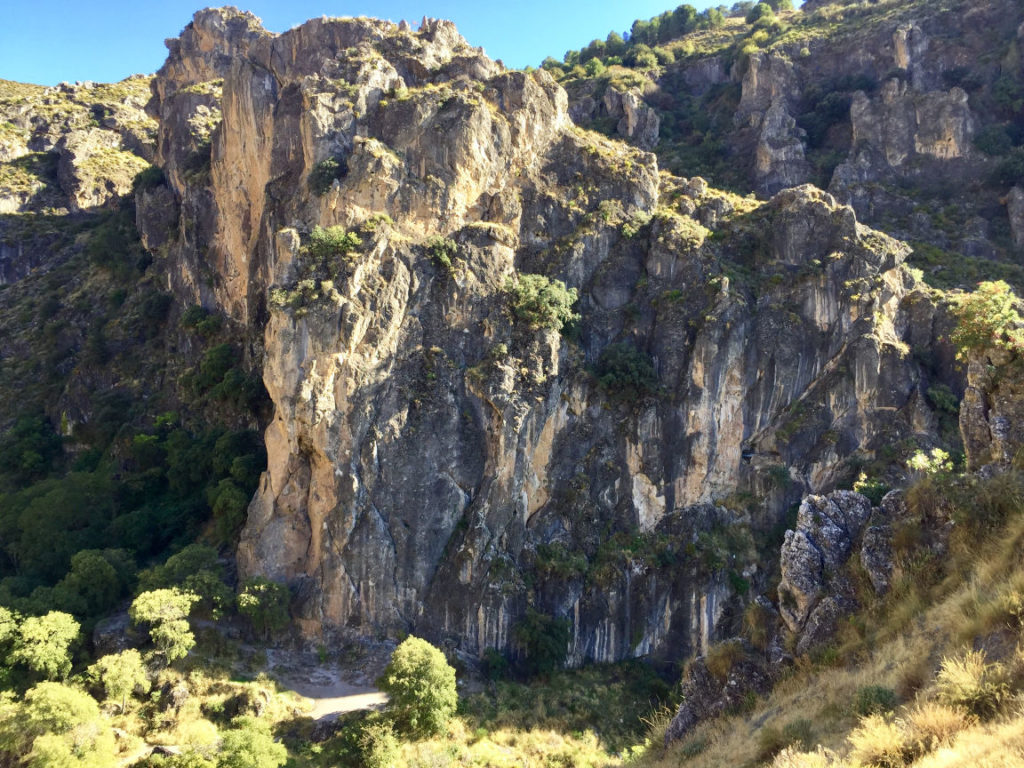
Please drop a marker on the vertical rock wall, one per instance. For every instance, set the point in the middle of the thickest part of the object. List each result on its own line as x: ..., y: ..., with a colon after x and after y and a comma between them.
x: 438, y: 465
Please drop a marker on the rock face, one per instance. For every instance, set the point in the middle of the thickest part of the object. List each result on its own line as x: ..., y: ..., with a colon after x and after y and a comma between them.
x: 992, y: 411
x: 769, y: 93
x: 436, y: 463
x: 814, y: 592
x: 1015, y: 210
x: 897, y: 133
x: 812, y: 555
x: 880, y: 104
x: 72, y: 147
x: 636, y: 120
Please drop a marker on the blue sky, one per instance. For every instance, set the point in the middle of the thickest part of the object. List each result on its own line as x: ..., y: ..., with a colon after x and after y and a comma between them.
x: 47, y: 41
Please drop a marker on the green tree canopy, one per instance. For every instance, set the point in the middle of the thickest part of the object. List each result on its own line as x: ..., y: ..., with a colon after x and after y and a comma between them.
x: 542, y: 302
x: 265, y: 603
x: 250, y: 744
x: 44, y: 644
x: 988, y: 319
x: 55, y: 726
x: 121, y: 675
x: 420, y: 684
x: 166, y: 612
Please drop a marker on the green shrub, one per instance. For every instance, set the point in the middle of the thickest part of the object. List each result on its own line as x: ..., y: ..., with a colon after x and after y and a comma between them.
x: 994, y: 140
x: 1010, y: 171
x: 201, y: 321
x: 759, y: 12
x: 543, y: 640
x: 378, y: 747
x: 324, y: 173
x: 265, y: 603
x: 148, y: 178
x: 721, y: 658
x: 541, y: 302
x: 771, y: 741
x: 1008, y: 92
x: 494, y: 665
x: 121, y: 675
x: 874, y: 700
x: 873, y: 489
x: 664, y: 56
x: 625, y: 372
x: 988, y: 318
x: 943, y: 399
x: 44, y: 644
x: 442, y: 251
x: 420, y: 684
x: 970, y: 683
x: 251, y: 744
x: 880, y: 743
x: 166, y: 612
x: 29, y: 449
x: 332, y: 242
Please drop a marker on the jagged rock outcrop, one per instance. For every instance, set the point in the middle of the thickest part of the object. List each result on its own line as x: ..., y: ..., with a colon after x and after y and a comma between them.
x: 992, y: 410
x: 902, y: 129
x: 75, y: 147
x: 769, y: 90
x: 812, y: 555
x: 636, y: 121
x: 814, y: 592
x: 705, y: 696
x: 436, y: 464
x: 880, y: 104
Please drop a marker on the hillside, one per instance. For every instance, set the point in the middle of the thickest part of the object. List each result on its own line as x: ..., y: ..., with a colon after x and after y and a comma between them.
x: 671, y: 356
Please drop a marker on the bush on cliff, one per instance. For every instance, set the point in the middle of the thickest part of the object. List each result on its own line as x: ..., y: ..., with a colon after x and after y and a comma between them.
x: 541, y: 302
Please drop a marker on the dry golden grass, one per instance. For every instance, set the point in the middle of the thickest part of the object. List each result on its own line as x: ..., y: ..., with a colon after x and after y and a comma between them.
x: 998, y: 745
x: 881, y: 742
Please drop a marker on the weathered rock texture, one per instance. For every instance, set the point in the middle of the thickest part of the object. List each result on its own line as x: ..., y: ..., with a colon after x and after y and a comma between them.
x: 435, y: 463
x: 72, y: 147
x: 992, y: 411
x: 880, y: 103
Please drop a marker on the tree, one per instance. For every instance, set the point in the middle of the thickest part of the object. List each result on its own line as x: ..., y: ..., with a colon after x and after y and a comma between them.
x: 614, y: 45
x: 544, y: 640
x: 93, y: 584
x: 196, y: 569
x: 541, y: 302
x: 625, y: 372
x: 250, y: 744
x: 55, y: 725
x: 265, y: 602
x: 121, y: 674
x: 758, y: 12
x: 420, y: 685
x: 166, y: 611
x: 988, y: 319
x: 44, y: 644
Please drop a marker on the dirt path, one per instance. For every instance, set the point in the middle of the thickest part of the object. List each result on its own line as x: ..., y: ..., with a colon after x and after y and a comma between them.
x: 331, y: 692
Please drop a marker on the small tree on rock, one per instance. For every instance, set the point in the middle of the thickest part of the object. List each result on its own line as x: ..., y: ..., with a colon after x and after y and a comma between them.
x: 420, y: 684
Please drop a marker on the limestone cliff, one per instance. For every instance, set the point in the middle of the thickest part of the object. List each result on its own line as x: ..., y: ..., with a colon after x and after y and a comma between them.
x: 437, y: 464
